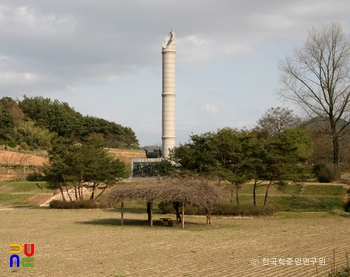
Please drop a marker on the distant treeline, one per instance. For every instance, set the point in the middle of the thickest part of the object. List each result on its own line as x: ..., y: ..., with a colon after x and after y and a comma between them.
x: 33, y: 122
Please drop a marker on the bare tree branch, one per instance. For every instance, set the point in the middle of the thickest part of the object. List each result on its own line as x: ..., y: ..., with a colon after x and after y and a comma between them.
x: 316, y: 77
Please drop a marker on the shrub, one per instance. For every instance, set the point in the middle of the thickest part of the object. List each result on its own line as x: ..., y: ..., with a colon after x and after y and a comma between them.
x: 166, y: 207
x: 342, y: 273
x: 242, y: 210
x: 12, y: 143
x: 346, y: 203
x: 325, y: 173
x: 79, y: 204
x: 24, y: 146
x: 228, y: 209
x: 313, y: 203
x: 282, y: 185
x: 34, y: 176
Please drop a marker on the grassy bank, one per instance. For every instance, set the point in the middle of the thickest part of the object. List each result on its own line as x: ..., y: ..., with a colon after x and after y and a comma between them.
x: 290, y: 197
x: 21, y: 193
x: 296, y: 197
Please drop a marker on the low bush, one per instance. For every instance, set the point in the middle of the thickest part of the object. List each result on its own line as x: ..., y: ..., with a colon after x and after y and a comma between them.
x: 166, y: 207
x: 228, y: 209
x: 325, y: 173
x: 282, y: 185
x: 346, y: 203
x: 34, y: 176
x: 313, y: 203
x: 242, y: 210
x: 79, y: 204
x: 344, y: 273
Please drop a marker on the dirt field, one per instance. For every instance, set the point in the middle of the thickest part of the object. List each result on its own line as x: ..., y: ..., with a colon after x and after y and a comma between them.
x: 91, y: 243
x: 9, y: 159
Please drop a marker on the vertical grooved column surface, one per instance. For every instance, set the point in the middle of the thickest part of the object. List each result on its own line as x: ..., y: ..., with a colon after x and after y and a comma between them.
x: 168, y: 94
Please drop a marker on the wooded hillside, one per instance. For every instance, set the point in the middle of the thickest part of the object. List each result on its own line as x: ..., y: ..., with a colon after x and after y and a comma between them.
x: 33, y: 122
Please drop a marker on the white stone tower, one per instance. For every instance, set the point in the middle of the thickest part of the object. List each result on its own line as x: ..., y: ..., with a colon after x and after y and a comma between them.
x: 168, y: 93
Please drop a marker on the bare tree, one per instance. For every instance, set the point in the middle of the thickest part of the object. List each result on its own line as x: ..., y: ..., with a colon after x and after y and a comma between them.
x: 317, y: 78
x: 277, y: 120
x: 24, y: 160
x: 9, y: 159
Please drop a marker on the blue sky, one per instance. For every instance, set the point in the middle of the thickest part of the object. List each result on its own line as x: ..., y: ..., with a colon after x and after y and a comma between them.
x: 104, y: 57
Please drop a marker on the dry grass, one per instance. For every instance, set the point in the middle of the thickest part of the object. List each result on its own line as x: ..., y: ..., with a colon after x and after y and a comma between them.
x: 126, y: 155
x: 9, y: 159
x: 91, y: 243
x: 16, y: 157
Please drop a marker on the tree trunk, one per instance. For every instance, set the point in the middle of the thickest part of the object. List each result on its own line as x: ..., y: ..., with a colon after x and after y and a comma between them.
x: 93, y: 192
x: 79, y: 194
x: 61, y: 190
x: 336, y: 158
x: 150, y: 212
x: 75, y: 193
x: 237, y: 199
x: 176, y: 206
x: 208, y: 216
x: 254, y: 193
x: 231, y: 193
x: 122, y: 214
x: 267, y: 193
x: 68, y: 193
x: 183, y: 215
x: 101, y: 192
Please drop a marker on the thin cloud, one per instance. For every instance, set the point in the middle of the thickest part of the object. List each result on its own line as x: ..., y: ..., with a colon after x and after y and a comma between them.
x: 104, y: 56
x: 208, y: 109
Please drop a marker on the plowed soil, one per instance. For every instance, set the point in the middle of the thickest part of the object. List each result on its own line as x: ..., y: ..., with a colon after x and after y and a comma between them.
x: 93, y: 243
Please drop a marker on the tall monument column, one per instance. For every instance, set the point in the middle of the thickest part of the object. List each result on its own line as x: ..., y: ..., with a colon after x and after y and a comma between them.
x: 168, y: 93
